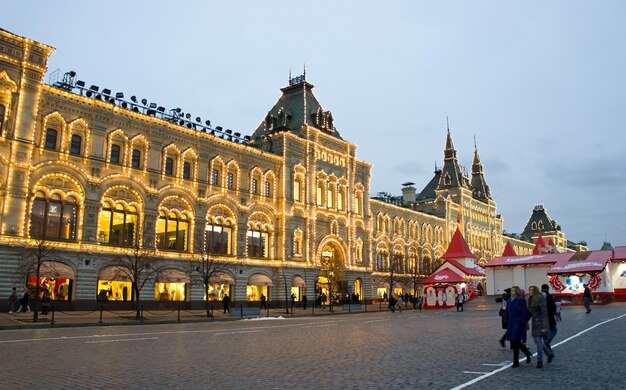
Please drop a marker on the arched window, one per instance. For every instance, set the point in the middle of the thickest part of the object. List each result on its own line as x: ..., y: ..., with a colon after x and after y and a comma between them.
x: 76, y: 145
x: 2, y: 114
x: 357, y: 204
x: 51, y: 139
x: 136, y: 159
x: 218, y: 237
x: 118, y: 224
x: 297, y: 190
x: 172, y: 231
x: 258, y: 242
x: 268, y: 189
x: 330, y: 198
x: 253, y: 186
x: 186, y: 170
x: 320, y: 195
x: 340, y: 200
x: 169, y: 166
x: 230, y: 181
x: 53, y: 218
x: 115, y: 154
x: 215, y: 177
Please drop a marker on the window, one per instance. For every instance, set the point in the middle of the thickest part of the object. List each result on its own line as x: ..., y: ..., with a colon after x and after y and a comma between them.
x: 268, y: 189
x: 75, y: 144
x: 297, y: 190
x: 330, y: 198
x: 172, y: 231
x: 253, y: 186
x: 2, y: 112
x: 169, y: 166
x: 215, y: 177
x: 340, y: 198
x: 53, y: 218
x: 51, y: 139
x: 258, y: 243
x: 320, y: 195
x: 115, y: 154
x: 136, y: 159
x: 230, y: 181
x: 357, y: 205
x: 118, y: 224
x: 218, y: 238
x: 186, y: 171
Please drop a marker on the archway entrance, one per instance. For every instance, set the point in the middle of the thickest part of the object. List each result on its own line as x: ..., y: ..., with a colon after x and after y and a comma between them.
x: 331, y: 286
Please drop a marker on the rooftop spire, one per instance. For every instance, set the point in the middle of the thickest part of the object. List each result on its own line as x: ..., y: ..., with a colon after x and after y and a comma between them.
x: 480, y: 189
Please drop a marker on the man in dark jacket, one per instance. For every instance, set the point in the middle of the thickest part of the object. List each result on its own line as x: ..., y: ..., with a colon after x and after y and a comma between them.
x: 547, y: 339
x: 502, y: 300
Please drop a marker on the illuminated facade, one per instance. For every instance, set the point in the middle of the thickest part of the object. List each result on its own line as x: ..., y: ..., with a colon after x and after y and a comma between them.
x: 97, y: 176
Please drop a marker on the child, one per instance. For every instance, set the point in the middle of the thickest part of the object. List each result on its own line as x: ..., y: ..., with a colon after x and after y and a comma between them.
x: 557, y: 314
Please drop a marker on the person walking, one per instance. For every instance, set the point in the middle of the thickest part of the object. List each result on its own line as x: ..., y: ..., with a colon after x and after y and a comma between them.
x: 516, y: 321
x: 264, y: 302
x: 45, y: 302
x: 551, y: 306
x: 420, y: 302
x: 226, y: 303
x: 540, y: 325
x: 399, y: 302
x: 24, y: 302
x: 558, y: 304
x: 587, y: 298
x: 13, y: 300
x: 506, y: 295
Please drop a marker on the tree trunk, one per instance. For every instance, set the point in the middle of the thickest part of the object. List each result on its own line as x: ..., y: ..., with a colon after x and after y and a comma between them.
x: 36, y: 298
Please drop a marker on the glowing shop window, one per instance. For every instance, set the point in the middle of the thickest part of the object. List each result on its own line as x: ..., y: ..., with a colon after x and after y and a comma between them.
x: 170, y: 291
x: 114, y: 290
x: 380, y: 292
x: 297, y: 291
x: 217, y: 291
x: 253, y: 293
x: 60, y: 288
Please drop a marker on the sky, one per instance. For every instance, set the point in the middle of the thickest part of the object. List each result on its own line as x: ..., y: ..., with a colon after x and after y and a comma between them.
x: 540, y: 85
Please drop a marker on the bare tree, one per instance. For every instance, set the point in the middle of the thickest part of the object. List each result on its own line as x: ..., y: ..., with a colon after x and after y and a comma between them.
x: 205, y: 270
x: 138, y: 265
x: 33, y: 258
x: 414, y: 276
x: 394, y: 268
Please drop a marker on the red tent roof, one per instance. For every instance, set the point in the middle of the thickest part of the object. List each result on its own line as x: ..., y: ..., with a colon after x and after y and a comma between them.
x: 540, y: 246
x: 619, y: 253
x: 477, y: 270
x: 444, y: 275
x: 458, y: 248
x: 582, y: 262
x: 508, y: 250
x: 542, y: 259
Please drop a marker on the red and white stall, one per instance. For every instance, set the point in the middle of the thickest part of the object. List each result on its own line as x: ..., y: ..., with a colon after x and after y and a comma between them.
x: 457, y: 275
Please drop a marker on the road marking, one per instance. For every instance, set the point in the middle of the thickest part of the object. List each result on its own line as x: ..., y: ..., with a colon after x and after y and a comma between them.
x: 474, y: 372
x: 496, y: 364
x: 237, y: 332
x: 487, y: 375
x: 319, y: 325
x: 370, y: 321
x: 119, y: 340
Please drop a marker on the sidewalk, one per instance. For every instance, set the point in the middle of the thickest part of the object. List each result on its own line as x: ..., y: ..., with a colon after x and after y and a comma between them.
x: 108, y: 318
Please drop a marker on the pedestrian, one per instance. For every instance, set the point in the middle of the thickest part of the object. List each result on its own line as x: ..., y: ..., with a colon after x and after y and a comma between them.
x: 392, y: 303
x: 540, y: 326
x: 226, y: 303
x: 551, y: 306
x: 420, y: 302
x: 558, y: 304
x: 264, y: 302
x: 293, y: 300
x: 304, y: 302
x: 45, y: 302
x: 517, y: 316
x: 460, y: 299
x: 399, y: 302
x: 24, y: 302
x: 587, y: 298
x: 13, y: 300
x: 385, y: 296
x: 506, y: 295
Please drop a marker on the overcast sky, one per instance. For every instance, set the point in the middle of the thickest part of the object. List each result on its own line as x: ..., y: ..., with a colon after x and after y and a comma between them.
x: 540, y: 84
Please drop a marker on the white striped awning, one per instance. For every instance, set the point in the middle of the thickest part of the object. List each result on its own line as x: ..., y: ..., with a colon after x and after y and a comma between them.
x: 259, y: 280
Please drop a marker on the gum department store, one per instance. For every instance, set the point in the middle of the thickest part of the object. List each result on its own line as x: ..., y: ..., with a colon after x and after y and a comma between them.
x: 97, y: 175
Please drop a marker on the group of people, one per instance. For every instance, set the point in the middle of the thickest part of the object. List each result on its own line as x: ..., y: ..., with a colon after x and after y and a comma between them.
x: 24, y: 301
x: 516, y: 312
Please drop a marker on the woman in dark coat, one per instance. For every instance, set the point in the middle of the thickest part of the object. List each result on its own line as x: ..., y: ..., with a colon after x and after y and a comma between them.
x: 539, y: 324
x: 517, y: 319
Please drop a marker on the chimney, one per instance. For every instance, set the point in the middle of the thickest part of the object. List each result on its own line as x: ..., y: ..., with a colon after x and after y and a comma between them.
x: 408, y: 192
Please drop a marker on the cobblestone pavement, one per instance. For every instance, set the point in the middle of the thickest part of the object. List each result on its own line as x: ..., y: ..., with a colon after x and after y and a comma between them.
x: 425, y: 350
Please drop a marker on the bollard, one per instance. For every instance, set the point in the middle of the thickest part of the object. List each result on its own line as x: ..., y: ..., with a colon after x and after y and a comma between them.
x: 349, y: 308
x: 52, y: 321
x: 241, y: 310
x: 365, y: 302
x: 101, y: 313
x: 380, y: 306
x: 178, y: 312
x: 211, y: 311
x: 141, y: 315
x: 268, y: 310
